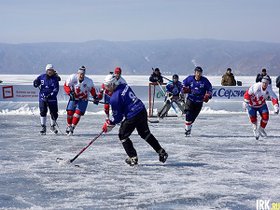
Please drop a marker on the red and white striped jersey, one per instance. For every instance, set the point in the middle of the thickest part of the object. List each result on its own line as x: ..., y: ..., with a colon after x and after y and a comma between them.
x: 80, y: 89
x: 256, y: 96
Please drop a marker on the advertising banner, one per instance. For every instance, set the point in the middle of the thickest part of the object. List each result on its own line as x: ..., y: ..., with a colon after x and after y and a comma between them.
x: 22, y: 93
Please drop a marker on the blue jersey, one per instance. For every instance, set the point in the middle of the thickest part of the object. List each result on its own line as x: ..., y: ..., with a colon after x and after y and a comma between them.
x: 124, y: 103
x: 197, y: 88
x: 49, y: 86
x: 174, y: 88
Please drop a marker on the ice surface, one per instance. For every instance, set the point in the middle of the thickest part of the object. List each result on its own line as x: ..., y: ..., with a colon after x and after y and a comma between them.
x: 221, y: 166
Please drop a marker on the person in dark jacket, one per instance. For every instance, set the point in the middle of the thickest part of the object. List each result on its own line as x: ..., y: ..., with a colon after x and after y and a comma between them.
x: 261, y: 75
x: 130, y: 111
x: 228, y: 78
x: 49, y: 87
x: 156, y: 76
x: 199, y: 90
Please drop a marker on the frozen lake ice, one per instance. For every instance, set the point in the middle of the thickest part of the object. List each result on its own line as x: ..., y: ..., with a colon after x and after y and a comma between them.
x: 221, y: 166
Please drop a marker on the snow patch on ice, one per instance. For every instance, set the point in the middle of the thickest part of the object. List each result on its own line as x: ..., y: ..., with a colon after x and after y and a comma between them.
x: 208, y: 110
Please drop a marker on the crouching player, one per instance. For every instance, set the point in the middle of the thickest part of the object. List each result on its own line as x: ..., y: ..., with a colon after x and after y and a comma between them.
x: 126, y: 105
x: 255, y: 101
x: 173, y: 95
x: 78, y: 87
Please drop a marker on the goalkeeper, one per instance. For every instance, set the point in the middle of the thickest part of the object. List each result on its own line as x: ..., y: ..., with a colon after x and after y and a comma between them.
x: 173, y: 95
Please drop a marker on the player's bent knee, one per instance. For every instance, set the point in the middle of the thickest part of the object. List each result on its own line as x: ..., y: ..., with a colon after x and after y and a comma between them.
x: 265, y: 116
x: 253, y: 119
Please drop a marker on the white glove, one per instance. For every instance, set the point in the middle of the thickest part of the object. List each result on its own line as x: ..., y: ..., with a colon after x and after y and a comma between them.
x: 245, y: 106
x: 276, y: 109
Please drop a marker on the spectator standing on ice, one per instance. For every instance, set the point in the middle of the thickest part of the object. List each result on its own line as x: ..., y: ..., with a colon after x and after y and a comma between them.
x: 255, y: 101
x: 228, y: 79
x: 199, y: 90
x: 261, y: 75
x: 173, y: 95
x: 49, y: 87
x: 278, y: 84
x: 156, y: 76
x: 78, y: 87
x: 130, y: 111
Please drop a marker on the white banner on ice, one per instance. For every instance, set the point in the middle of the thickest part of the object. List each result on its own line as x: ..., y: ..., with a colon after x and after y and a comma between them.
x: 27, y: 93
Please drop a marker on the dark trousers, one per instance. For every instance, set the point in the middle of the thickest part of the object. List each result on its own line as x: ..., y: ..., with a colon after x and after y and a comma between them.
x: 192, y: 110
x: 43, y: 105
x: 140, y: 123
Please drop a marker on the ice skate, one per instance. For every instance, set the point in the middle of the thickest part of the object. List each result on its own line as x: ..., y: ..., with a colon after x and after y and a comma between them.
x: 162, y: 155
x: 132, y: 161
x: 262, y: 132
x: 53, y: 129
x: 188, y: 130
x: 69, y: 130
x: 44, y: 130
x: 188, y: 133
x: 256, y: 132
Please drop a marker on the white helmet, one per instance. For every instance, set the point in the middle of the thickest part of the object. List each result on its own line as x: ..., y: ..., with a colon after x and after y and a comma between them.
x: 49, y: 66
x: 110, y: 79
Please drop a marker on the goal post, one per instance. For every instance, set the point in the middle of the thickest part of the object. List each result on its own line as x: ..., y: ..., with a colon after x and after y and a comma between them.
x: 156, y: 94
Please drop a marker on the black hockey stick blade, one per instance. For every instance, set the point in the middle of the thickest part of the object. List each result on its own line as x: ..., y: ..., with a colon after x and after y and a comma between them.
x: 62, y: 162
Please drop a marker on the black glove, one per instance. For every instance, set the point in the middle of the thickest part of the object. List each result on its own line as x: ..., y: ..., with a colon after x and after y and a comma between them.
x: 72, y: 96
x: 36, y: 83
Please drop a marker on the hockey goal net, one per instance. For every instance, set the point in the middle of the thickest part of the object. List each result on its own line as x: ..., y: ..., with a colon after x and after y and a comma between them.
x: 156, y: 99
x: 157, y: 105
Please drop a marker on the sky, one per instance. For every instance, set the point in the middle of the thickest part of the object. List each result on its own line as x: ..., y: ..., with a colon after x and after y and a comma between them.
x: 32, y: 21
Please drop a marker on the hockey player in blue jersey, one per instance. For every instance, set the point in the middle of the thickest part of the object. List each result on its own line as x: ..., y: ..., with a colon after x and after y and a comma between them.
x: 49, y: 87
x: 199, y: 90
x: 173, y: 95
x: 130, y: 111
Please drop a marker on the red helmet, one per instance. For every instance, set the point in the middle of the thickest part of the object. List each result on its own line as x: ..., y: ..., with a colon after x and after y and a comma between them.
x: 118, y: 70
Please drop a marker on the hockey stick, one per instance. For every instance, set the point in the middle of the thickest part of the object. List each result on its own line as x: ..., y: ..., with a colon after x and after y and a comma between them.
x: 153, y: 100
x: 72, y: 160
x: 100, y: 102
x: 59, y: 128
x: 166, y: 78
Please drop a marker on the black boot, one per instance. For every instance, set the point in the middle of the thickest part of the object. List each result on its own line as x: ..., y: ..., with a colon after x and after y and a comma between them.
x: 53, y: 129
x: 44, y: 130
x: 132, y: 161
x: 162, y: 155
x: 128, y: 147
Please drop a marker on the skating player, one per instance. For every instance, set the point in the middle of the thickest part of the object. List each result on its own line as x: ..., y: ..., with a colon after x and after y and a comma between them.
x: 78, y: 87
x: 255, y: 101
x: 130, y: 111
x: 199, y: 90
x: 49, y: 87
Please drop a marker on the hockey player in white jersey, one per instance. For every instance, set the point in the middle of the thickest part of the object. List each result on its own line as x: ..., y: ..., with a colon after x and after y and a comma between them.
x: 255, y: 101
x: 78, y: 87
